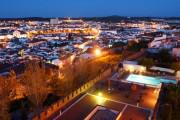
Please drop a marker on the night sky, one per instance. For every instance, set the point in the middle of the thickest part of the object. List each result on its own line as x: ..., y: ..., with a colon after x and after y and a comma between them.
x: 89, y: 8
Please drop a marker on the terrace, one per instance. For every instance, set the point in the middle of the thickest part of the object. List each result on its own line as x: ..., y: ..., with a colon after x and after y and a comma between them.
x: 128, y: 100
x: 89, y: 102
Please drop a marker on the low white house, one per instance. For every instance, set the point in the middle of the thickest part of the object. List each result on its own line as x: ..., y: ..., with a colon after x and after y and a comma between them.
x: 164, y: 70
x: 2, y: 37
x: 132, y: 66
x: 157, y: 41
x: 20, y: 34
x: 109, y: 31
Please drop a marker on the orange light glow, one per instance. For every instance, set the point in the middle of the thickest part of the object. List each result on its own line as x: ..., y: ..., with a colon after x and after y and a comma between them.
x: 97, y: 52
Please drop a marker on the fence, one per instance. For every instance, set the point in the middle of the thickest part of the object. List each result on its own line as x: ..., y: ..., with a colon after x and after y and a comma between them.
x: 47, y: 113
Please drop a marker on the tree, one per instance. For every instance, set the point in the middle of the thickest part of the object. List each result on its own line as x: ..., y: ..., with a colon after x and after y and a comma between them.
x: 57, y: 86
x: 164, y: 56
x: 36, y: 82
x: 13, y: 83
x: 83, y: 71
x: 166, y: 112
x: 176, y: 66
x: 137, y: 45
x: 67, y: 74
x: 174, y: 95
x: 148, y: 62
x: 170, y: 104
x: 94, y: 69
x: 73, y: 75
x: 6, y: 89
x: 4, y: 99
x: 88, y: 70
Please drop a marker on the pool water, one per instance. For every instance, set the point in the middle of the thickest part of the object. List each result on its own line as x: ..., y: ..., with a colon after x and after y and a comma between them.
x: 154, y: 81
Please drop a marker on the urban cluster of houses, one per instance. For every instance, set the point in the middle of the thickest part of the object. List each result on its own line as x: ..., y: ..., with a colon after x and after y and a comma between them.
x: 55, y: 40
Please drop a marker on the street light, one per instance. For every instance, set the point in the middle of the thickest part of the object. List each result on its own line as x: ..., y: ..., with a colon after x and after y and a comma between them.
x: 100, y: 99
x: 98, y: 52
x: 100, y: 94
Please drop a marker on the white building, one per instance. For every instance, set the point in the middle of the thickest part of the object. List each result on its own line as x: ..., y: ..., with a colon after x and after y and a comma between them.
x: 19, y: 34
x: 157, y: 41
x: 132, y: 66
x: 2, y: 37
x: 54, y: 21
x: 109, y: 31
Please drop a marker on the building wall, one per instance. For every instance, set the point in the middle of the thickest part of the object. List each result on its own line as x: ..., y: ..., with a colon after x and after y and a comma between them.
x: 19, y: 35
x: 134, y: 68
x: 54, y: 21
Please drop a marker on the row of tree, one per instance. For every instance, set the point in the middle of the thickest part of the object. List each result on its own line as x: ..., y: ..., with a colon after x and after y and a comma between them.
x: 6, y: 91
x: 149, y: 62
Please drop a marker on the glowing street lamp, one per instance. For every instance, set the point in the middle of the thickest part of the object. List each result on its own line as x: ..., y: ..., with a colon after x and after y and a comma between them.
x: 98, y: 52
x: 100, y: 94
x: 100, y: 99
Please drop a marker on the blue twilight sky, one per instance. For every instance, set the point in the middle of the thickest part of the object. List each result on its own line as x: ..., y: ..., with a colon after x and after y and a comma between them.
x: 88, y: 8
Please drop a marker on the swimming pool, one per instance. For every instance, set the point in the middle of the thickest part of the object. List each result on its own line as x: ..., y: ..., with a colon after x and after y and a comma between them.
x: 154, y: 81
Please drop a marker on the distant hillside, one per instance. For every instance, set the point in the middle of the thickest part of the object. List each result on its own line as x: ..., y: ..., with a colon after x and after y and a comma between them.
x: 26, y: 19
x: 115, y: 18
x: 100, y: 19
x: 119, y: 18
